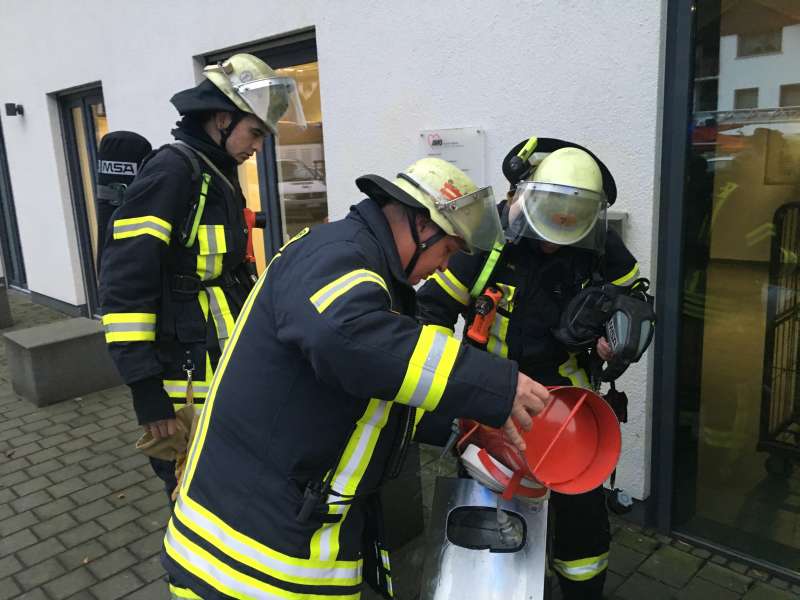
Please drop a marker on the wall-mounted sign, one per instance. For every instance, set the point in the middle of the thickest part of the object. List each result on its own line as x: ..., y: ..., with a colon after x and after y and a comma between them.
x: 464, y: 147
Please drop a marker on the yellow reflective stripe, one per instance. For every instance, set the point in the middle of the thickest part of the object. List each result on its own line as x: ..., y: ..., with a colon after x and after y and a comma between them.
x: 223, y: 577
x: 428, y: 369
x: 450, y: 284
x: 129, y: 327
x: 443, y: 329
x: 262, y: 558
x: 148, y: 225
x: 385, y: 560
x: 497, y: 336
x: 177, y: 592
x: 325, y: 541
x: 209, y: 266
x: 507, y: 301
x: 296, y: 237
x: 628, y: 277
x: 583, y: 569
x: 211, y: 239
x: 176, y: 388
x: 418, y: 414
x: 573, y: 372
x: 349, y: 473
x: 221, y: 313
x: 129, y: 318
x: 324, y: 297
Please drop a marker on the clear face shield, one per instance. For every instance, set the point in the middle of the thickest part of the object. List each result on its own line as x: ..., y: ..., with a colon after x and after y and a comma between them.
x: 273, y: 100
x: 474, y: 216
x: 557, y: 214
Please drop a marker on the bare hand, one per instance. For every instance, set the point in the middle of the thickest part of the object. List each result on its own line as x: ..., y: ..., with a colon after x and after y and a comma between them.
x: 603, y: 349
x: 529, y: 401
x: 161, y: 429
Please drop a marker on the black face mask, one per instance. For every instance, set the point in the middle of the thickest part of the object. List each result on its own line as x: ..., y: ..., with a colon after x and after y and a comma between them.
x: 421, y: 246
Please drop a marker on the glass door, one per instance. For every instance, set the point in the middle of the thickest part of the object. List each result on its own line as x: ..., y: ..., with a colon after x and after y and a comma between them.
x: 736, y: 475
x: 84, y: 124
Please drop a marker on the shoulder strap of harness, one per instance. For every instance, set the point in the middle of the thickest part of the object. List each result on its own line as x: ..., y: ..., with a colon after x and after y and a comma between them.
x: 487, y: 270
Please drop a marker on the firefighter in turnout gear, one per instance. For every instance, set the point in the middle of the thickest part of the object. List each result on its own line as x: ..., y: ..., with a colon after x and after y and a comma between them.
x: 173, y: 275
x: 557, y: 245
x: 321, y: 387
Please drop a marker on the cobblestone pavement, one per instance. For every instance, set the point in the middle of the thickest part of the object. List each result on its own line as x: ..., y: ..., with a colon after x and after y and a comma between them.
x: 82, y: 516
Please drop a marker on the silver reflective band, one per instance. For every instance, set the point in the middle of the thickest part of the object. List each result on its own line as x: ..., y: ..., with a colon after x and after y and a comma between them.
x: 180, y: 388
x: 149, y: 224
x: 219, y: 319
x: 261, y: 560
x: 428, y: 369
x: 218, y: 575
x: 137, y: 327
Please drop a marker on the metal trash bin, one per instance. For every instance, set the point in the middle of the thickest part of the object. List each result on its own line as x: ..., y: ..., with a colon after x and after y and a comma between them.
x: 468, y: 557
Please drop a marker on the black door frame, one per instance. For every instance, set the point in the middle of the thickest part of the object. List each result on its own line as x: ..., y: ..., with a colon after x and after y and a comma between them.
x: 67, y: 102
x: 283, y: 51
x: 13, y: 261
x: 677, y: 112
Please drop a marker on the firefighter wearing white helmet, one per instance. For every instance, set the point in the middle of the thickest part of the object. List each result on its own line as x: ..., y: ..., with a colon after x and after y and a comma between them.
x: 557, y: 243
x: 174, y: 273
x: 255, y: 88
x: 325, y: 381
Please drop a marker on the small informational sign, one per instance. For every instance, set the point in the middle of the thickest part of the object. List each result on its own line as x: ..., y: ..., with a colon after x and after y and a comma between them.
x: 465, y: 147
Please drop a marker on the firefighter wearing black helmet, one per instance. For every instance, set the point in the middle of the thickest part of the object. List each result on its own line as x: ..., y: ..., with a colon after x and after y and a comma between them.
x: 555, y: 223
x: 172, y: 279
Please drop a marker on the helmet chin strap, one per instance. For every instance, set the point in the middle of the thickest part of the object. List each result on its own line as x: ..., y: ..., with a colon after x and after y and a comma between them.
x: 227, y: 131
x: 420, y: 246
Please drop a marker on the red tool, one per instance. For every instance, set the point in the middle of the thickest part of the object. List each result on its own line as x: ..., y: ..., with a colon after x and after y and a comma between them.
x: 485, y: 311
x: 253, y: 220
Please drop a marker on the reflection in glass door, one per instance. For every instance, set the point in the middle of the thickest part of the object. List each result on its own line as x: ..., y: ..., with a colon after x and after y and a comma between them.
x: 84, y: 123
x: 737, y: 481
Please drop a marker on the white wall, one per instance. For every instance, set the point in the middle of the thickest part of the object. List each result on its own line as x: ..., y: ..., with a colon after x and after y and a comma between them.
x: 590, y: 72
x: 768, y: 72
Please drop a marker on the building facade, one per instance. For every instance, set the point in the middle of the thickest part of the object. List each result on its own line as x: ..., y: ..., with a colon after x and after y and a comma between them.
x: 693, y: 107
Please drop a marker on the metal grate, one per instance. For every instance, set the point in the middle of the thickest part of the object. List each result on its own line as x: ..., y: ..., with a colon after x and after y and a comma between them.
x: 780, y: 407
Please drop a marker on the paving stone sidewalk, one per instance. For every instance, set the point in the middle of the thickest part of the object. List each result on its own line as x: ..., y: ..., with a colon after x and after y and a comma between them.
x: 82, y: 516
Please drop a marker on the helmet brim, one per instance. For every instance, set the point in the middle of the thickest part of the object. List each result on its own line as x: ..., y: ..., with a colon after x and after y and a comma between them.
x: 383, y: 190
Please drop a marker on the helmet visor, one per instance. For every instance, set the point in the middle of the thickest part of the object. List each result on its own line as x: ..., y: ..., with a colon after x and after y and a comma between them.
x: 562, y: 215
x: 474, y: 218
x: 273, y: 100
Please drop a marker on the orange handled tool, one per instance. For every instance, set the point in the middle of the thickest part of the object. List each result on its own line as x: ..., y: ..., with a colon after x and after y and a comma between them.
x: 253, y: 219
x: 485, y: 310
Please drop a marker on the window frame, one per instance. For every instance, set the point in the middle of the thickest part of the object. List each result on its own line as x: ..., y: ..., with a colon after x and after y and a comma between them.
x: 84, y: 99
x: 740, y: 54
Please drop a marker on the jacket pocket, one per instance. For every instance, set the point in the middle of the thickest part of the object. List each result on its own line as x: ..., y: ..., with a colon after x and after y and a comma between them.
x: 213, y: 242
